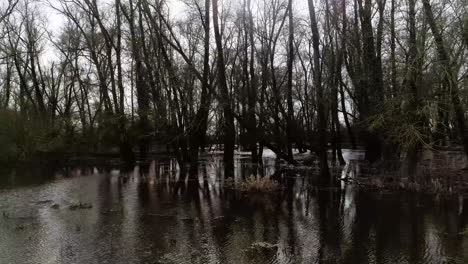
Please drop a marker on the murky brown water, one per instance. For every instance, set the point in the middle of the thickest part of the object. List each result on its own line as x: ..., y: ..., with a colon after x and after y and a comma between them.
x: 159, y: 214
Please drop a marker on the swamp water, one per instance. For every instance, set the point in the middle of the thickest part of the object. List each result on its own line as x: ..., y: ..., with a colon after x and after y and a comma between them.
x: 161, y: 214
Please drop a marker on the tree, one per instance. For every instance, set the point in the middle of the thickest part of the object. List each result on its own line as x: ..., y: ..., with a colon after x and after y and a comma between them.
x: 228, y: 125
x: 449, y: 77
x: 321, y: 112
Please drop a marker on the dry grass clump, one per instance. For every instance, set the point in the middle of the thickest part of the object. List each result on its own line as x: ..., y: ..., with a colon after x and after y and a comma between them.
x: 433, y: 185
x: 253, y: 184
x: 377, y: 183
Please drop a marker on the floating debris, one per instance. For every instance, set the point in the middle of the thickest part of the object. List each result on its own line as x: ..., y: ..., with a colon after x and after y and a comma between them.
x: 189, y: 219
x: 80, y: 206
x: 112, y: 211
x: 44, y: 202
x: 221, y: 217
x: 161, y: 215
x: 55, y: 206
x: 263, y: 244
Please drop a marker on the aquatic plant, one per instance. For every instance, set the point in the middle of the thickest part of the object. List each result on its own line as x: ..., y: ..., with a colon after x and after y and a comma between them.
x: 254, y: 184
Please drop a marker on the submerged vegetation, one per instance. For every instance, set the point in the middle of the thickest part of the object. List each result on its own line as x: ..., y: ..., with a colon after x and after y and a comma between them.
x: 254, y: 185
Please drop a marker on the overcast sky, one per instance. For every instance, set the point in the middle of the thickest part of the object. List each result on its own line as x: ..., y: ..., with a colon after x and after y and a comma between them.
x: 177, y: 11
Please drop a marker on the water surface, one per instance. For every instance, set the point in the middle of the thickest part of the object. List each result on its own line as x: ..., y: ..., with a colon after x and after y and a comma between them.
x: 161, y: 213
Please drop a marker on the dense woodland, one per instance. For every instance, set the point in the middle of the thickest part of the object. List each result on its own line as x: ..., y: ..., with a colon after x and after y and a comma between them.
x: 127, y: 75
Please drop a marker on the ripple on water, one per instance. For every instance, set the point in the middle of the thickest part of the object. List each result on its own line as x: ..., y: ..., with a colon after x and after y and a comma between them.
x: 161, y: 214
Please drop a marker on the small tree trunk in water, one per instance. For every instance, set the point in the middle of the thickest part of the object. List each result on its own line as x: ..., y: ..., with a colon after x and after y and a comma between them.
x: 351, y: 135
x: 337, y: 127
x: 290, y: 115
x: 372, y: 81
x: 140, y: 82
x: 321, y: 112
x: 228, y: 126
x: 252, y: 101
x: 333, y: 140
x: 126, y: 151
x: 411, y: 80
x: 392, y: 49
x: 335, y: 68
x: 198, y: 132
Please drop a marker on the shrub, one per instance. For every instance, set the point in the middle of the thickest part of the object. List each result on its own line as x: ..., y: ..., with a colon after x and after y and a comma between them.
x: 22, y: 137
x: 8, y: 149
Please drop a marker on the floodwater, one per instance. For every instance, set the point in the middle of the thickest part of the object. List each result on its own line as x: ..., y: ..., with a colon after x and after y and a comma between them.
x: 162, y: 214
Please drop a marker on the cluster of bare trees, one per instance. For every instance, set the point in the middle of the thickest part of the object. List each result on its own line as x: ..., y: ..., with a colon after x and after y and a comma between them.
x: 281, y: 74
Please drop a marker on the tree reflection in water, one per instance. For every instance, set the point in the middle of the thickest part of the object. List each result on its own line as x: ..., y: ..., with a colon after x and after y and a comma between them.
x: 163, y: 213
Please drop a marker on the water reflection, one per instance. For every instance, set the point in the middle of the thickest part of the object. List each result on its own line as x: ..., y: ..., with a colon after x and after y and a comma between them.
x: 161, y: 213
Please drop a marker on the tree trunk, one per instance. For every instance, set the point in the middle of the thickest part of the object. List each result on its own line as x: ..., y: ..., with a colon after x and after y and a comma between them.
x: 411, y: 79
x: 394, y: 90
x: 252, y: 100
x: 372, y: 84
x: 228, y: 126
x: 321, y: 112
x: 290, y: 115
x: 198, y: 138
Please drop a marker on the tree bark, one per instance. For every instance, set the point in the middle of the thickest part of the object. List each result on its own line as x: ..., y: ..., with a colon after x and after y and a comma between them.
x: 228, y: 126
x: 290, y: 115
x: 321, y: 112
